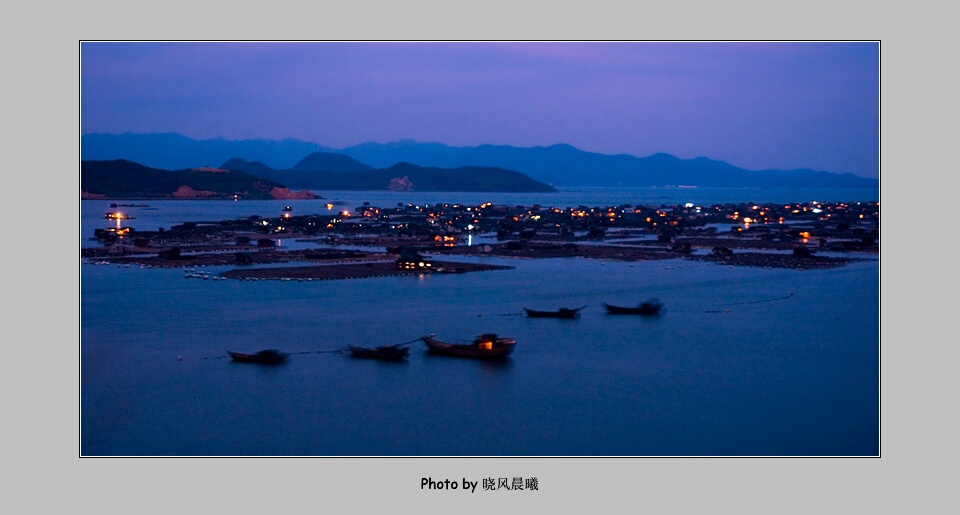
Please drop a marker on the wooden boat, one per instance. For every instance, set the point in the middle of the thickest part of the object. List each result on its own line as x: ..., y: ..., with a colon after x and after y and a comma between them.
x: 560, y: 313
x: 647, y: 307
x: 383, y: 352
x: 267, y: 356
x: 486, y: 346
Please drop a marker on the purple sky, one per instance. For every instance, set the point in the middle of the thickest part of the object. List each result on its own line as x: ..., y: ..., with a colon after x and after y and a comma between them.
x: 755, y: 105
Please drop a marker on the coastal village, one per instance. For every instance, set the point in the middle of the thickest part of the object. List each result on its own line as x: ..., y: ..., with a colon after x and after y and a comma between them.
x: 413, y: 239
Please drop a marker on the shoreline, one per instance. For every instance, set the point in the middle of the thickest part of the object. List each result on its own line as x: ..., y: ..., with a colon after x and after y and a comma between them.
x: 380, y: 264
x: 771, y: 235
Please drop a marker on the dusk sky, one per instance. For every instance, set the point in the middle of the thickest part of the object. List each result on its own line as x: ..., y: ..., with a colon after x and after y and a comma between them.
x: 754, y: 105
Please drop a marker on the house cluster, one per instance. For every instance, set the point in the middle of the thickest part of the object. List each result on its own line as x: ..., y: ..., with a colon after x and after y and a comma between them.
x: 844, y: 226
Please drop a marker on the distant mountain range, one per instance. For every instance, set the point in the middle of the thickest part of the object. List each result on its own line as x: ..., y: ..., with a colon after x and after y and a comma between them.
x: 557, y: 165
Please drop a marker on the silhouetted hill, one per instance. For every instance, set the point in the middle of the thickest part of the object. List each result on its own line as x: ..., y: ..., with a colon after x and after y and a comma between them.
x: 251, y: 167
x: 330, y: 162
x: 125, y: 179
x: 306, y: 172
x: 406, y: 176
x: 560, y: 164
x: 326, y: 171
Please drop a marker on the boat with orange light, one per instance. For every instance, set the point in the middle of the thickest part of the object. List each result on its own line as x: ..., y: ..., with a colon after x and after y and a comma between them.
x: 485, y: 346
x: 117, y: 216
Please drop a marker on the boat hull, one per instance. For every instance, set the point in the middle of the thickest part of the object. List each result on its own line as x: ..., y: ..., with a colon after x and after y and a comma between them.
x: 502, y: 348
x: 562, y: 313
x: 267, y: 357
x: 644, y: 309
x: 381, y: 353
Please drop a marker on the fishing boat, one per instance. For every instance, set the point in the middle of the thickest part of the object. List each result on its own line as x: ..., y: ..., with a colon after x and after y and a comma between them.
x: 647, y: 307
x: 485, y: 346
x: 560, y: 313
x: 383, y: 352
x: 266, y: 356
x: 117, y: 216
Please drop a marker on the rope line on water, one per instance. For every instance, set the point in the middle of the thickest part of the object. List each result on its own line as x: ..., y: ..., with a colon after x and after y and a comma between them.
x: 325, y: 351
x: 788, y: 296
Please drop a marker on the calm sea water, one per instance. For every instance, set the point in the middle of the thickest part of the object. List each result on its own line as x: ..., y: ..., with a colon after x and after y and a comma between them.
x: 744, y: 362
